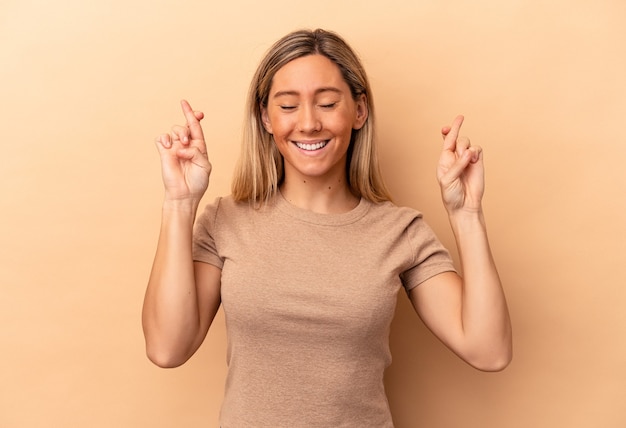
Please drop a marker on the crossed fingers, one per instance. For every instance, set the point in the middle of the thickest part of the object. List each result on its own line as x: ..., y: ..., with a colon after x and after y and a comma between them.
x: 455, y: 143
x: 190, y: 134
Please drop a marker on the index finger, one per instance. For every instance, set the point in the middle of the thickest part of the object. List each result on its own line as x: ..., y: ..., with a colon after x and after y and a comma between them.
x: 449, y: 141
x: 195, y: 129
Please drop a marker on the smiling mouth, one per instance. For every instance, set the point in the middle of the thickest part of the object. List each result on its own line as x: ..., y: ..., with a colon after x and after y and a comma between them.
x: 312, y: 147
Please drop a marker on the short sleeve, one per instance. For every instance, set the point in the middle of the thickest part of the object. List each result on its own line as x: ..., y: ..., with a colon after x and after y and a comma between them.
x: 204, y: 247
x: 430, y: 256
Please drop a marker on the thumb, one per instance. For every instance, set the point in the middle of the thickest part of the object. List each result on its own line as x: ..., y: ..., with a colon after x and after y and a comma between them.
x: 190, y: 153
x: 195, y: 156
x: 457, y: 167
x: 185, y: 153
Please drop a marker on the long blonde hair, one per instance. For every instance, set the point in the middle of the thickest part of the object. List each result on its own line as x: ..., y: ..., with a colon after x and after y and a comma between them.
x: 260, y: 169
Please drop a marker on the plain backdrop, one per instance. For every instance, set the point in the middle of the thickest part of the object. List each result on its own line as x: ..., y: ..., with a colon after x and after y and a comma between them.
x: 86, y: 86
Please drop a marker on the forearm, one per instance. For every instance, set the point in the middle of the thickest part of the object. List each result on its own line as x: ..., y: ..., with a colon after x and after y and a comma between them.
x: 484, y: 313
x: 171, y: 319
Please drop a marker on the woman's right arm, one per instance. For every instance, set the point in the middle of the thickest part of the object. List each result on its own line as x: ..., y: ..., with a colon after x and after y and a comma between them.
x: 182, y: 296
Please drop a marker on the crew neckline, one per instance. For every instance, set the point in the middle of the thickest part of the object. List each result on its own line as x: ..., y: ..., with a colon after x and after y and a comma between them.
x: 308, y: 216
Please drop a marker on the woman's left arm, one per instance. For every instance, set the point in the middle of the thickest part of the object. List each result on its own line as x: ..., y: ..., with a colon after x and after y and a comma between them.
x: 468, y: 314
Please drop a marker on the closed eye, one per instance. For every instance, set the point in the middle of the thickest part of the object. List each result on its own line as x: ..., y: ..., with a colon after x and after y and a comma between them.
x: 327, y: 106
x: 287, y: 108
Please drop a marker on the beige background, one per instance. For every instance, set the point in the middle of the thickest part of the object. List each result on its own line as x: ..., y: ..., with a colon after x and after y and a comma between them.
x: 86, y: 86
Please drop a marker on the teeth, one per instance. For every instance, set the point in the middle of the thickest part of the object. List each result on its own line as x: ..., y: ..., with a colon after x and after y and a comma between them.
x: 315, y: 146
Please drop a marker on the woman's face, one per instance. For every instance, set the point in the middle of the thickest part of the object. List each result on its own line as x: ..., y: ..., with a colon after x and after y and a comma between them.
x: 311, y: 114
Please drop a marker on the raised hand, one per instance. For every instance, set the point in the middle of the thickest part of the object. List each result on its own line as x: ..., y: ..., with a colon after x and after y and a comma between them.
x: 184, y: 163
x: 460, y: 171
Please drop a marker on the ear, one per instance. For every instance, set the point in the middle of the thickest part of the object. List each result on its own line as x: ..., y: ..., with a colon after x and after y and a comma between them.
x: 265, y: 118
x: 362, y: 112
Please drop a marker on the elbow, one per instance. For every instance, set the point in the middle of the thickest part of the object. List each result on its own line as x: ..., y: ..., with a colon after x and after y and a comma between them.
x: 164, y: 362
x: 494, y: 360
x: 163, y: 358
x: 494, y: 354
x: 163, y: 351
x: 492, y: 365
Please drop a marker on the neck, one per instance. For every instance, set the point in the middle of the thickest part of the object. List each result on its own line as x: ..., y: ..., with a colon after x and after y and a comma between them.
x: 319, y: 195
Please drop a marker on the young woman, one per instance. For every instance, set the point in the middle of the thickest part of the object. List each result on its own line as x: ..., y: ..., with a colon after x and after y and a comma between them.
x: 308, y: 253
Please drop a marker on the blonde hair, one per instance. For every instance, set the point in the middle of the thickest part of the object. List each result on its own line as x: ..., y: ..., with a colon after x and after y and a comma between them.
x: 260, y: 170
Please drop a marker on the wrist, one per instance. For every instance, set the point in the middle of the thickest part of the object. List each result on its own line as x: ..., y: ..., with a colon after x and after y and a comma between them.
x: 467, y: 220
x: 183, y: 206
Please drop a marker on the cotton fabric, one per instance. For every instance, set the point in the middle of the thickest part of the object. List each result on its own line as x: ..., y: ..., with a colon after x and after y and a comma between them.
x: 308, y: 300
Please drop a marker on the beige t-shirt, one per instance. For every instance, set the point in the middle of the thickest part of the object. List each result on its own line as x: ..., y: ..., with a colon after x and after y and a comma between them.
x: 308, y: 300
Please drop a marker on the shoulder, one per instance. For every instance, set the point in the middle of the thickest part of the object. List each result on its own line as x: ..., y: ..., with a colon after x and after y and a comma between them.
x: 389, y: 213
x: 225, y: 214
x: 405, y: 222
x: 225, y: 206
x: 212, y: 213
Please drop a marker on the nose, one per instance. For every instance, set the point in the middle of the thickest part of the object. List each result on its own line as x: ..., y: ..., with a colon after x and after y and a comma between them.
x: 308, y: 120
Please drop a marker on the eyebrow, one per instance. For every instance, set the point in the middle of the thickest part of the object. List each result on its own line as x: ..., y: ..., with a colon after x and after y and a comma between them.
x: 317, y: 91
